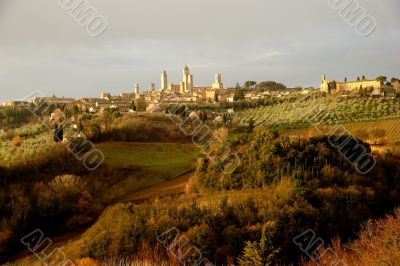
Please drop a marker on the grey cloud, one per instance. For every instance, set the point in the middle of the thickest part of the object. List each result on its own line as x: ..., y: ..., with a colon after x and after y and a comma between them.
x: 43, y: 47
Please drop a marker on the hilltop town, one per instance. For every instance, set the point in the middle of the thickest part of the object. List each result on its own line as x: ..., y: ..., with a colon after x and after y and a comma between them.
x: 186, y: 91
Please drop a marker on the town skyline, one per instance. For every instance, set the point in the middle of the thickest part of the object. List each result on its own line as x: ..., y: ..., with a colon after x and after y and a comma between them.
x: 176, y: 76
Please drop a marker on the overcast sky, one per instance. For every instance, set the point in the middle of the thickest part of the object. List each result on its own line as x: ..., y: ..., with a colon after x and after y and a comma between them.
x: 43, y: 48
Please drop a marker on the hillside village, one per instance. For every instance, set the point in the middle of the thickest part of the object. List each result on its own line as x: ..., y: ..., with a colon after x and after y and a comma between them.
x: 187, y: 92
x: 184, y: 92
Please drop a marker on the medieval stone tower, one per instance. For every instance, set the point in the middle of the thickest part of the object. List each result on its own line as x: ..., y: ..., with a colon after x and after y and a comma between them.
x: 218, y: 82
x: 164, y: 81
x: 136, y: 89
x: 187, y: 80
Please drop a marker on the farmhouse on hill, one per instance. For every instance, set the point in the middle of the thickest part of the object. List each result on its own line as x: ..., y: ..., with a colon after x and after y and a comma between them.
x: 351, y: 85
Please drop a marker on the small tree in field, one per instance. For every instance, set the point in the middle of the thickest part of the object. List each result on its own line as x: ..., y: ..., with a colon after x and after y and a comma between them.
x: 381, y: 79
x: 251, y: 125
x: 216, y: 97
x: 16, y: 141
x: 261, y: 252
x: 107, y: 120
x: 239, y: 95
x: 378, y: 135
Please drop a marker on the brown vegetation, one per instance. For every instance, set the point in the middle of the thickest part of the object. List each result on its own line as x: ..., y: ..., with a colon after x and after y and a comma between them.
x: 16, y: 141
x: 378, y: 243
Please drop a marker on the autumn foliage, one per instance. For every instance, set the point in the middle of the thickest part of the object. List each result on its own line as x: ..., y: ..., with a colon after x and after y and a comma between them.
x: 378, y: 243
x: 16, y: 141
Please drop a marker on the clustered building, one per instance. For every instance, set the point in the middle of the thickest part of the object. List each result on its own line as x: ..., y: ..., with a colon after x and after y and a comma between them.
x: 185, y: 91
x: 40, y: 100
x: 187, y: 83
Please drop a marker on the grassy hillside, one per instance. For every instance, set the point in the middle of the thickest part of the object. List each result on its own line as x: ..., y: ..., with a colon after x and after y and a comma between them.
x: 145, y: 164
x: 169, y: 156
x: 45, y: 186
x: 281, y: 189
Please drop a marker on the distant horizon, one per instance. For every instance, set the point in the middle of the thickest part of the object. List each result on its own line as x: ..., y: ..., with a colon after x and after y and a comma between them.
x: 115, y: 92
x: 176, y: 80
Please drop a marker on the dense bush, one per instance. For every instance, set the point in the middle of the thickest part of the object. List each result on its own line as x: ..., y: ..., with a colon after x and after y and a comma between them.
x: 330, y: 196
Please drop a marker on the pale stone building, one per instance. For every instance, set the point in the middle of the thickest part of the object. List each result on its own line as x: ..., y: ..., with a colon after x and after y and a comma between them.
x: 106, y: 96
x: 218, y: 82
x: 396, y: 85
x: 164, y: 81
x: 174, y: 88
x: 152, y: 87
x: 126, y: 95
x: 210, y: 95
x: 52, y: 100
x: 187, y: 80
x: 15, y: 103
x: 136, y: 89
x: 186, y: 85
x: 351, y: 85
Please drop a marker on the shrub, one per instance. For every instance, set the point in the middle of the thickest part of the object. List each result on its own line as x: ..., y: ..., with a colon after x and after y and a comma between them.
x: 377, y: 244
x: 16, y: 141
x: 67, y: 184
x: 5, y: 237
x: 87, y: 262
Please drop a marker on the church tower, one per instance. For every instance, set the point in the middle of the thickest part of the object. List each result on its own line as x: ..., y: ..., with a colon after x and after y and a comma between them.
x: 324, y: 84
x: 164, y: 81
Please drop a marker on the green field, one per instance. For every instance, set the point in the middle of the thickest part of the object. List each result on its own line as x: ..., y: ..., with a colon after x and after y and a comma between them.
x: 155, y: 155
x: 141, y: 165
